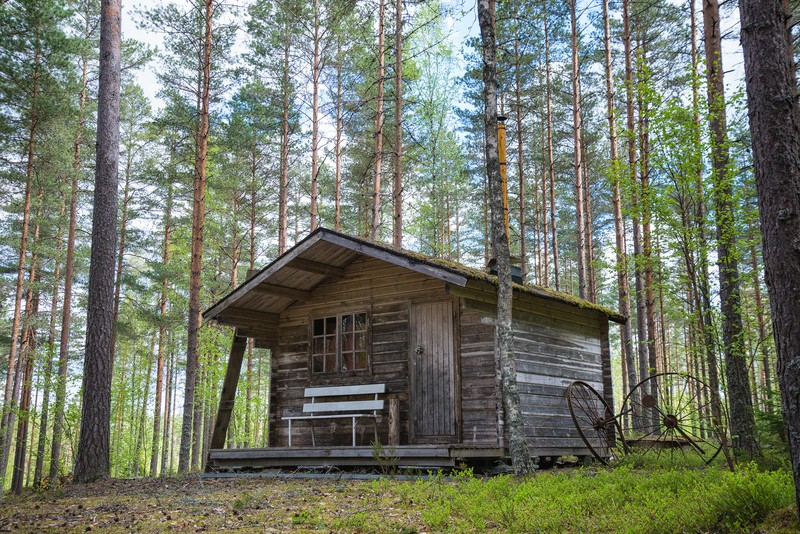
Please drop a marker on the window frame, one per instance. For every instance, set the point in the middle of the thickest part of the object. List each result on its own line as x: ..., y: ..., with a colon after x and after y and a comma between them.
x: 339, y: 354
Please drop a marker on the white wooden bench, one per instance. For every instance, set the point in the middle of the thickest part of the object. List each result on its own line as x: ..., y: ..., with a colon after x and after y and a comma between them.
x: 334, y: 408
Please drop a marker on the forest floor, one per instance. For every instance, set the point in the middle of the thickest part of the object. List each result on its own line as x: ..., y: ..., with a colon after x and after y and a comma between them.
x: 581, y: 500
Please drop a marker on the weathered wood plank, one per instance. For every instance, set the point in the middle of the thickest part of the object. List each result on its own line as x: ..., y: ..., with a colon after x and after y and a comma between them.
x: 228, y: 394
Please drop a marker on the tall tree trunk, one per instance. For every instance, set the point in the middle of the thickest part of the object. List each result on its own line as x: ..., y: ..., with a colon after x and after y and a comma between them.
x: 283, y: 188
x: 504, y: 334
x: 123, y: 228
x: 376, y: 189
x: 741, y: 408
x: 198, y: 218
x: 93, y: 459
x: 397, y: 187
x: 623, y: 287
x: 550, y: 162
x: 763, y: 336
x: 9, y: 399
x: 166, y: 438
x: 27, y: 355
x: 137, y: 455
x: 315, y: 75
x: 51, y: 343
x: 520, y: 156
x: 645, y: 209
x: 775, y: 129
x: 337, y: 217
x: 637, y: 239
x: 576, y: 136
x: 162, y: 325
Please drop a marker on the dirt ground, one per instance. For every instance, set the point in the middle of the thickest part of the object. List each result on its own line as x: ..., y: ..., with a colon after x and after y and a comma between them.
x: 193, y: 504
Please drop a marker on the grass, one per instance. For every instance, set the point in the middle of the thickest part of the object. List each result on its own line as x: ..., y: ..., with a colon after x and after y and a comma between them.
x: 624, y: 499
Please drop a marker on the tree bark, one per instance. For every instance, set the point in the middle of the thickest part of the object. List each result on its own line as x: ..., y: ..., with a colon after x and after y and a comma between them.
x: 623, y: 287
x: 741, y: 407
x: 162, y: 326
x: 576, y: 137
x: 376, y: 188
x: 283, y: 188
x: 504, y: 335
x: 397, y: 187
x: 315, y: 74
x: 775, y: 128
x: 93, y: 459
x: 9, y: 399
x: 198, y: 219
x: 550, y: 159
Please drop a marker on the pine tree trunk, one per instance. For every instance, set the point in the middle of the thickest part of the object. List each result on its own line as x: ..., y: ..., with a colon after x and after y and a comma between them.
x: 763, y: 336
x: 775, y: 131
x: 51, y: 342
x: 520, y: 158
x: 739, y: 398
x: 623, y: 287
x: 550, y: 160
x: 397, y: 187
x: 283, y: 188
x: 198, y: 218
x: 27, y: 355
x: 315, y: 75
x: 93, y: 459
x: 9, y: 398
x: 337, y: 216
x: 647, y: 228
x: 576, y: 131
x: 162, y: 326
x: 504, y: 335
x: 376, y: 189
x: 641, y: 349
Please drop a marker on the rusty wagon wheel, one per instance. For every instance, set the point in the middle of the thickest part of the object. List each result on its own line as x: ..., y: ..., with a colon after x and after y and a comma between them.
x: 595, y: 422
x: 670, y: 414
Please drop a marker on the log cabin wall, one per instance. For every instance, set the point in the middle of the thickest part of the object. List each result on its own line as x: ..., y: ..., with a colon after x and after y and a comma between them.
x: 479, y: 386
x: 385, y: 292
x: 554, y: 345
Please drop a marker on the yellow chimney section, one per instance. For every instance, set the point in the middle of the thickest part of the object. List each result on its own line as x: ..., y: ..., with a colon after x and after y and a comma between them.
x: 501, y: 149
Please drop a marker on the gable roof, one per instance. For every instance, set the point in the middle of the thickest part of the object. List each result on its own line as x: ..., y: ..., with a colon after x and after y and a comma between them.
x: 324, y: 254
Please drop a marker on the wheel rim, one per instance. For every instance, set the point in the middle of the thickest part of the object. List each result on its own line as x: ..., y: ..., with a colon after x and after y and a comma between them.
x: 595, y: 422
x: 670, y: 414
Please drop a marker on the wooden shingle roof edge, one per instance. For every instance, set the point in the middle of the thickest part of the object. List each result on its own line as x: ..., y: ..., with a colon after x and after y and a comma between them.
x: 444, y: 270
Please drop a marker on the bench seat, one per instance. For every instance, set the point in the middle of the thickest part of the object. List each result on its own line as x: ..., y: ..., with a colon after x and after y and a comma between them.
x: 334, y: 408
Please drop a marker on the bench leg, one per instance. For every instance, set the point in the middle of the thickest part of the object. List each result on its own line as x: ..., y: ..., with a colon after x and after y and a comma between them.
x: 290, y: 432
x: 313, y: 437
x: 354, y: 431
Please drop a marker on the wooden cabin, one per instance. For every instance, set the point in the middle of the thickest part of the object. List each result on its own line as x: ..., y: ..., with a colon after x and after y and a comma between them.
x: 339, y: 311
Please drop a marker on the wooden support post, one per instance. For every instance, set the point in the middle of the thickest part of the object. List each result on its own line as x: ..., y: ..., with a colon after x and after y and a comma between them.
x: 228, y: 394
x: 394, y: 420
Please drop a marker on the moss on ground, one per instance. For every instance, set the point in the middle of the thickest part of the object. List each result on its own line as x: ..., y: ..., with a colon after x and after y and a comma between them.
x: 590, y: 500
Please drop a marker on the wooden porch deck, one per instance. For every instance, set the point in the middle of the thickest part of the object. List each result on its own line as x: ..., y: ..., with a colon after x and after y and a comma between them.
x: 399, y: 456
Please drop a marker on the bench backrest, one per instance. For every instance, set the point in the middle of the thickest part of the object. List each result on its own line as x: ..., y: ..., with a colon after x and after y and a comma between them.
x: 374, y: 404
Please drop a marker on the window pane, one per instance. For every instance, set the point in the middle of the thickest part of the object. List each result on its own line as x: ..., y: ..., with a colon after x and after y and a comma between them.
x: 318, y: 363
x: 361, y: 342
x: 361, y: 321
x: 330, y: 325
x: 361, y: 360
x: 330, y: 345
x: 330, y: 363
x: 319, y: 326
x: 347, y: 323
x: 347, y: 343
x: 347, y: 362
x: 319, y: 346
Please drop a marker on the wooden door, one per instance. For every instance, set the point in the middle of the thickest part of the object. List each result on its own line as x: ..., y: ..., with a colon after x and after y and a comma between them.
x: 433, y: 374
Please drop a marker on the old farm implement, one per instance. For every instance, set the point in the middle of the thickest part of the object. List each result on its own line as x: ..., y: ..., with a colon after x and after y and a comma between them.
x: 667, y: 413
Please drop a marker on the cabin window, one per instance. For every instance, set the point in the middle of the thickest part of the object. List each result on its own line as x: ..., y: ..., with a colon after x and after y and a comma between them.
x: 339, y: 343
